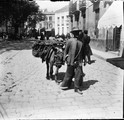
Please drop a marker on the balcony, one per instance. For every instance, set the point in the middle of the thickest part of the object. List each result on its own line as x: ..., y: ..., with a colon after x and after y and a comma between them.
x: 82, y: 5
x: 72, y: 7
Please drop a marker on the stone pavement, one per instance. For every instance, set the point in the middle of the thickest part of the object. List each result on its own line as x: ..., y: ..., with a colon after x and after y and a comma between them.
x: 28, y: 95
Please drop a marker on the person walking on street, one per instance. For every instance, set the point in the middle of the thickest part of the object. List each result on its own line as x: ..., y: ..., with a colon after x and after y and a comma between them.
x: 73, y: 58
x: 88, y: 51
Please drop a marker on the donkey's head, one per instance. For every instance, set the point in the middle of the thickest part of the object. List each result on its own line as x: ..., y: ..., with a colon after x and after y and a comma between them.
x: 59, y: 55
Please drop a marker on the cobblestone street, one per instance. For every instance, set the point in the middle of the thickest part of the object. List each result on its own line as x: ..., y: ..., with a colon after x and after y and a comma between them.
x: 25, y: 92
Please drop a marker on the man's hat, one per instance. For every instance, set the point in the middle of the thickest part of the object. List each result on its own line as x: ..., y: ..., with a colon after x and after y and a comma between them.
x: 76, y: 31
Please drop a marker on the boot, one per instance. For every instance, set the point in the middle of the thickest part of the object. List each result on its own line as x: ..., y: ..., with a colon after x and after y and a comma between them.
x: 89, y: 60
x: 78, y: 91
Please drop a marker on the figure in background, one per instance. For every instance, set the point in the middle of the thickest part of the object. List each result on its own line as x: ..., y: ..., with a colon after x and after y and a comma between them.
x: 42, y: 36
x: 88, y: 51
x: 68, y: 36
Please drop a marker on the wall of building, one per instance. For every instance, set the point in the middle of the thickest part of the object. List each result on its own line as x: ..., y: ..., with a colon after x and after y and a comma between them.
x: 121, y: 52
x: 58, y: 24
x: 100, y: 41
x: 103, y: 32
x: 90, y: 20
x: 49, y: 24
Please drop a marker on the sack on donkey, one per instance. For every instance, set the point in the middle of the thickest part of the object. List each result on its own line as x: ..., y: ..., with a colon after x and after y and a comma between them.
x: 36, y: 48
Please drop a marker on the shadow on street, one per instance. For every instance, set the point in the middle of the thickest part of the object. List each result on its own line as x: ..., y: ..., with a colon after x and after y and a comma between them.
x: 87, y: 84
x: 16, y: 45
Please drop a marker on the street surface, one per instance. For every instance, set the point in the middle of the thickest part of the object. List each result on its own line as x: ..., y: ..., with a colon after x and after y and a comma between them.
x: 26, y: 93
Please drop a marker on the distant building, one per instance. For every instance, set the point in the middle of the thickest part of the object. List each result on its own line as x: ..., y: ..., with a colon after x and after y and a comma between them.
x: 62, y: 21
x: 48, y: 23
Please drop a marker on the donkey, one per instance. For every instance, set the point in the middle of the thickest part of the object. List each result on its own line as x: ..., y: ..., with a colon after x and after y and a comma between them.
x: 52, y: 54
x: 54, y: 58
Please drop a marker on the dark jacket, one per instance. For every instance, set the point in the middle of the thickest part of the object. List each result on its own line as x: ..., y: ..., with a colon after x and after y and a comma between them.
x: 72, y: 51
x: 88, y: 50
x: 42, y: 37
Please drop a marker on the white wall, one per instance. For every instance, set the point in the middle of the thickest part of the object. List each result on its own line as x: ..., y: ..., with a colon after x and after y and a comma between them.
x: 60, y: 22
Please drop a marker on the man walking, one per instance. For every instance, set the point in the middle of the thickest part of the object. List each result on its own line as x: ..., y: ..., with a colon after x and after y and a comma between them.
x: 73, y: 58
x: 88, y: 51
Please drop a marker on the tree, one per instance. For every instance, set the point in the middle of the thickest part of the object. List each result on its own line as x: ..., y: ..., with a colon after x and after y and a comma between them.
x: 17, y: 11
x: 25, y: 9
x: 33, y: 19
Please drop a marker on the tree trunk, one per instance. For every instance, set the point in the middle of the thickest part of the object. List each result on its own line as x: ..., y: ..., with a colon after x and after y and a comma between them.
x: 16, y: 31
x: 6, y: 25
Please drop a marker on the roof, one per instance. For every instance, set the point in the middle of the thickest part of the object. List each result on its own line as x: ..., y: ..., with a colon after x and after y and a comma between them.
x: 48, y: 13
x: 64, y: 9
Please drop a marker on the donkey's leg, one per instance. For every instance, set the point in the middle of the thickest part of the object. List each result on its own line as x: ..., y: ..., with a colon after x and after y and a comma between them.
x: 51, y: 63
x: 47, y: 74
x: 56, y: 75
x: 51, y: 70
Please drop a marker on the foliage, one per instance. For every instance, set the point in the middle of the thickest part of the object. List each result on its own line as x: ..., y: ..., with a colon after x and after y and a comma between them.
x: 17, y: 11
x: 33, y: 19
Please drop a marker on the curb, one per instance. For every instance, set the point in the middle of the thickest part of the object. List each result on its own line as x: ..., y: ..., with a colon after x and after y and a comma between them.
x: 105, y: 59
x: 98, y: 56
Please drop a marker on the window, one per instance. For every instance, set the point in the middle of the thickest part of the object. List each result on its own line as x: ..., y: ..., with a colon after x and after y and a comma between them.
x: 62, y: 20
x: 50, y: 25
x: 58, y: 20
x: 62, y: 30
x: 67, y: 20
x: 67, y: 29
x: 50, y: 18
x: 46, y: 18
x: 46, y: 25
x: 58, y: 30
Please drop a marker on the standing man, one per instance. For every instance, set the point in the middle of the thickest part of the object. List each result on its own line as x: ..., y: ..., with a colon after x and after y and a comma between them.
x: 88, y: 51
x: 42, y: 36
x: 73, y: 58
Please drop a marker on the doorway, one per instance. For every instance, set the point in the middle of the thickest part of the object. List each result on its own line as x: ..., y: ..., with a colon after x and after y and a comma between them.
x: 116, y: 38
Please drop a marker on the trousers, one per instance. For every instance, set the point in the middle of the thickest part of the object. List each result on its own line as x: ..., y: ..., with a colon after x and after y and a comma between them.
x: 71, y: 72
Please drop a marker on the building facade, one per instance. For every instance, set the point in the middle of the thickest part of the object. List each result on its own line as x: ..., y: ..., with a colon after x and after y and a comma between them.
x: 62, y: 21
x: 85, y: 14
x: 48, y: 23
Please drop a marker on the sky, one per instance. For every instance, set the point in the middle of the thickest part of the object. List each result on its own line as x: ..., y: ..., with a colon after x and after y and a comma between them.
x: 51, y: 6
